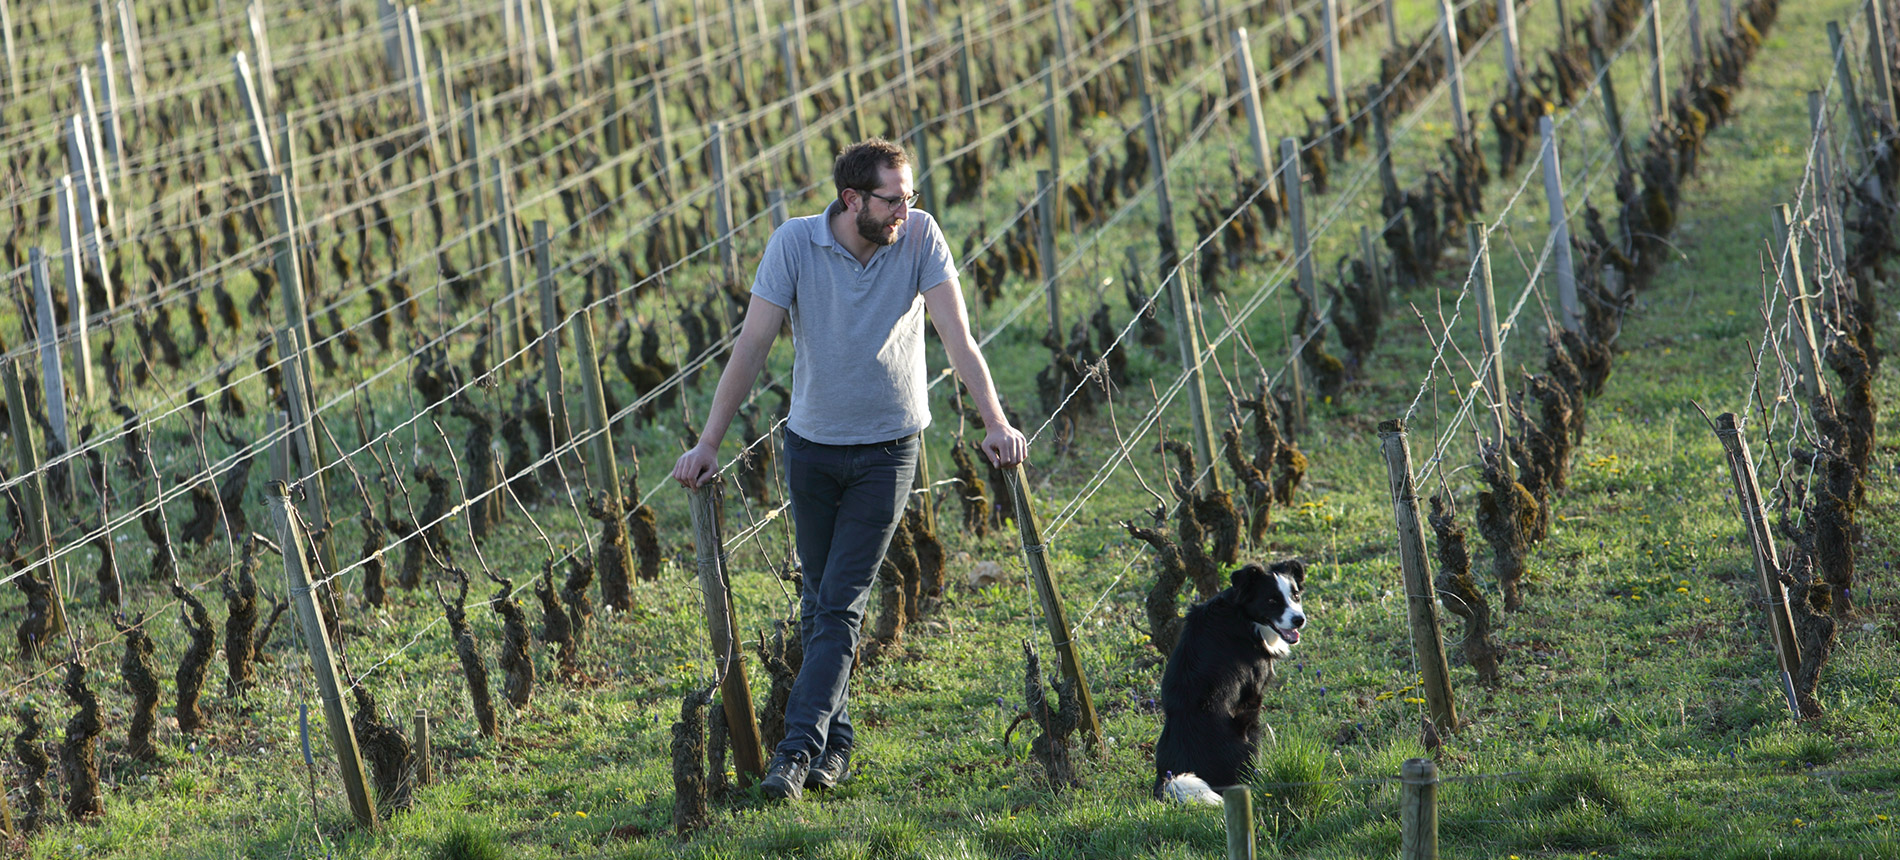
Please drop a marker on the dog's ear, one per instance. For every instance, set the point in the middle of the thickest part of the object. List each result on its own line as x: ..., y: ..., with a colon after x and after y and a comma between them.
x: 1248, y: 577
x: 1292, y: 569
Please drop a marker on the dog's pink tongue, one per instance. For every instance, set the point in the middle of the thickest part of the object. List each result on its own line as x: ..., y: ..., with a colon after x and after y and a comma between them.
x: 1291, y: 636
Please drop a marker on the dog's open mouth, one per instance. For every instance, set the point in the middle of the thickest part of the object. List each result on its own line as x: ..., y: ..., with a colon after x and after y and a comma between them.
x: 1288, y: 634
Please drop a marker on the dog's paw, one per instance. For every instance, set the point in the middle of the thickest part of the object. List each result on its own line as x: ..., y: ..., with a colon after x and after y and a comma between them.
x: 1188, y: 788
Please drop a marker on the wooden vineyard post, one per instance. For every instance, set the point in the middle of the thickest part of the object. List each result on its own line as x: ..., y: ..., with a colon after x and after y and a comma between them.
x: 1695, y: 34
x: 52, y: 370
x: 516, y: 338
x: 967, y: 93
x: 1513, y: 57
x: 1371, y: 255
x: 742, y: 725
x: 96, y: 207
x: 1292, y: 174
x: 1256, y: 124
x: 260, y: 47
x: 134, y: 50
x: 1492, y: 374
x: 419, y: 83
x: 1418, y: 810
x: 1046, y: 248
x: 606, y: 470
x: 94, y: 137
x: 1237, y: 811
x: 1455, y: 72
x: 1052, y: 125
x: 1612, y: 111
x: 74, y: 253
x: 612, y: 128
x: 254, y: 108
x: 289, y: 264
x: 425, y: 769
x: 789, y: 60
x: 1850, y: 98
x: 39, y: 544
x: 303, y: 435
x: 1833, y: 243
x: 550, y: 334
x: 322, y: 659
x: 722, y: 204
x: 1391, y: 24
x: 13, y: 59
x: 1421, y: 599
x: 1060, y: 633
x: 1793, y: 284
x: 1335, y: 85
x: 1560, y: 260
x: 1761, y: 539
x: 1658, y: 77
x: 775, y: 207
x: 1186, y: 333
x: 1878, y: 58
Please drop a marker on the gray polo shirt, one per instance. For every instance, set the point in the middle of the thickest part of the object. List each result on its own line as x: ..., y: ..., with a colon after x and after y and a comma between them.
x: 857, y: 330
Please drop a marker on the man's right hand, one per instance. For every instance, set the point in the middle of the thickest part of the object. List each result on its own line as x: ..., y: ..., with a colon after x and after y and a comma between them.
x: 696, y: 467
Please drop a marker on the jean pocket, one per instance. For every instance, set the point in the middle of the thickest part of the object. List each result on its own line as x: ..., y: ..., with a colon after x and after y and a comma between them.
x: 905, y: 448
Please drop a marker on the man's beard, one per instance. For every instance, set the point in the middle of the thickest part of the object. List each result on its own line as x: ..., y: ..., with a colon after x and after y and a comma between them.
x: 874, y: 231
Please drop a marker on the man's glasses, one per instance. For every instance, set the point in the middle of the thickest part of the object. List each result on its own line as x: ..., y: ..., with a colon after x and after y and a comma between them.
x: 907, y: 202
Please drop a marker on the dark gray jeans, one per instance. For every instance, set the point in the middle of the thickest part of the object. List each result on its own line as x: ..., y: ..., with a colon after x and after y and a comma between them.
x: 846, y: 503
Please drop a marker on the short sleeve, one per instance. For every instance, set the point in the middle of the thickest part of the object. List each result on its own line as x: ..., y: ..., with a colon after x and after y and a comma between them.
x: 937, y: 265
x: 775, y: 281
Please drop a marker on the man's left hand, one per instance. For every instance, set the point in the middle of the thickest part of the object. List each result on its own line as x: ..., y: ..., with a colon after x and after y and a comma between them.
x: 1005, y: 446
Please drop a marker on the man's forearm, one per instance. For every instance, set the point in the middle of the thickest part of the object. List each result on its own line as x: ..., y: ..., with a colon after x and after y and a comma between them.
x: 975, y: 374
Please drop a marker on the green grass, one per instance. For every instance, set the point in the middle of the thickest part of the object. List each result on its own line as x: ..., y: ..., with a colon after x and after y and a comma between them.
x: 1637, y: 717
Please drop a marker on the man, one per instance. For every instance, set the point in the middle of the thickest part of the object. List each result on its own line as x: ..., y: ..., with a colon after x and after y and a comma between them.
x: 856, y: 282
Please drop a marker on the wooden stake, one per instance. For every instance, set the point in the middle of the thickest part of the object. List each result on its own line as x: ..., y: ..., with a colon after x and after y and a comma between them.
x: 1335, y: 85
x: 52, y: 372
x: 1292, y: 174
x: 109, y: 90
x: 1834, y: 244
x: 1237, y: 811
x: 550, y: 331
x: 1493, y: 373
x: 82, y: 162
x: 1793, y: 284
x: 1879, y: 59
x: 322, y: 660
x: 387, y: 22
x: 606, y: 471
x: 1391, y: 25
x: 1388, y: 178
x: 254, y: 107
x: 722, y: 204
x: 1046, y: 249
x: 303, y: 434
x: 422, y: 750
x: 1560, y: 260
x: 1256, y: 124
x: 1418, y: 810
x: 260, y: 47
x: 1658, y: 84
x: 1843, y: 75
x: 1761, y: 538
x: 968, y: 95
x: 742, y: 724
x: 73, y: 252
x: 1057, y: 617
x: 1612, y: 111
x: 505, y: 239
x: 38, y: 544
x: 13, y: 60
x: 134, y: 50
x: 1455, y: 71
x: 419, y: 80
x: 289, y: 267
x: 1513, y: 57
x: 775, y: 207
x: 1421, y: 599
x: 789, y: 61
x: 1186, y: 335
x: 1695, y: 34
x: 1052, y: 125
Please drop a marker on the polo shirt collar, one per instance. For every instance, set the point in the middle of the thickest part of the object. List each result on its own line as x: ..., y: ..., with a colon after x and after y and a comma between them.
x: 824, y: 238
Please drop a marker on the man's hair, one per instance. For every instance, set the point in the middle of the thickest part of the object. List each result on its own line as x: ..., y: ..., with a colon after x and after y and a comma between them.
x: 858, y: 165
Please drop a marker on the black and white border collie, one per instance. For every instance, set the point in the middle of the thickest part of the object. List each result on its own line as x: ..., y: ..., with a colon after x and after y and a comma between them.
x: 1217, y: 678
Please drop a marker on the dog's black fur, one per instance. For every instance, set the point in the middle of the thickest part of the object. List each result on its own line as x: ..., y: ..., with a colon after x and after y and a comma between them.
x: 1217, y: 677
